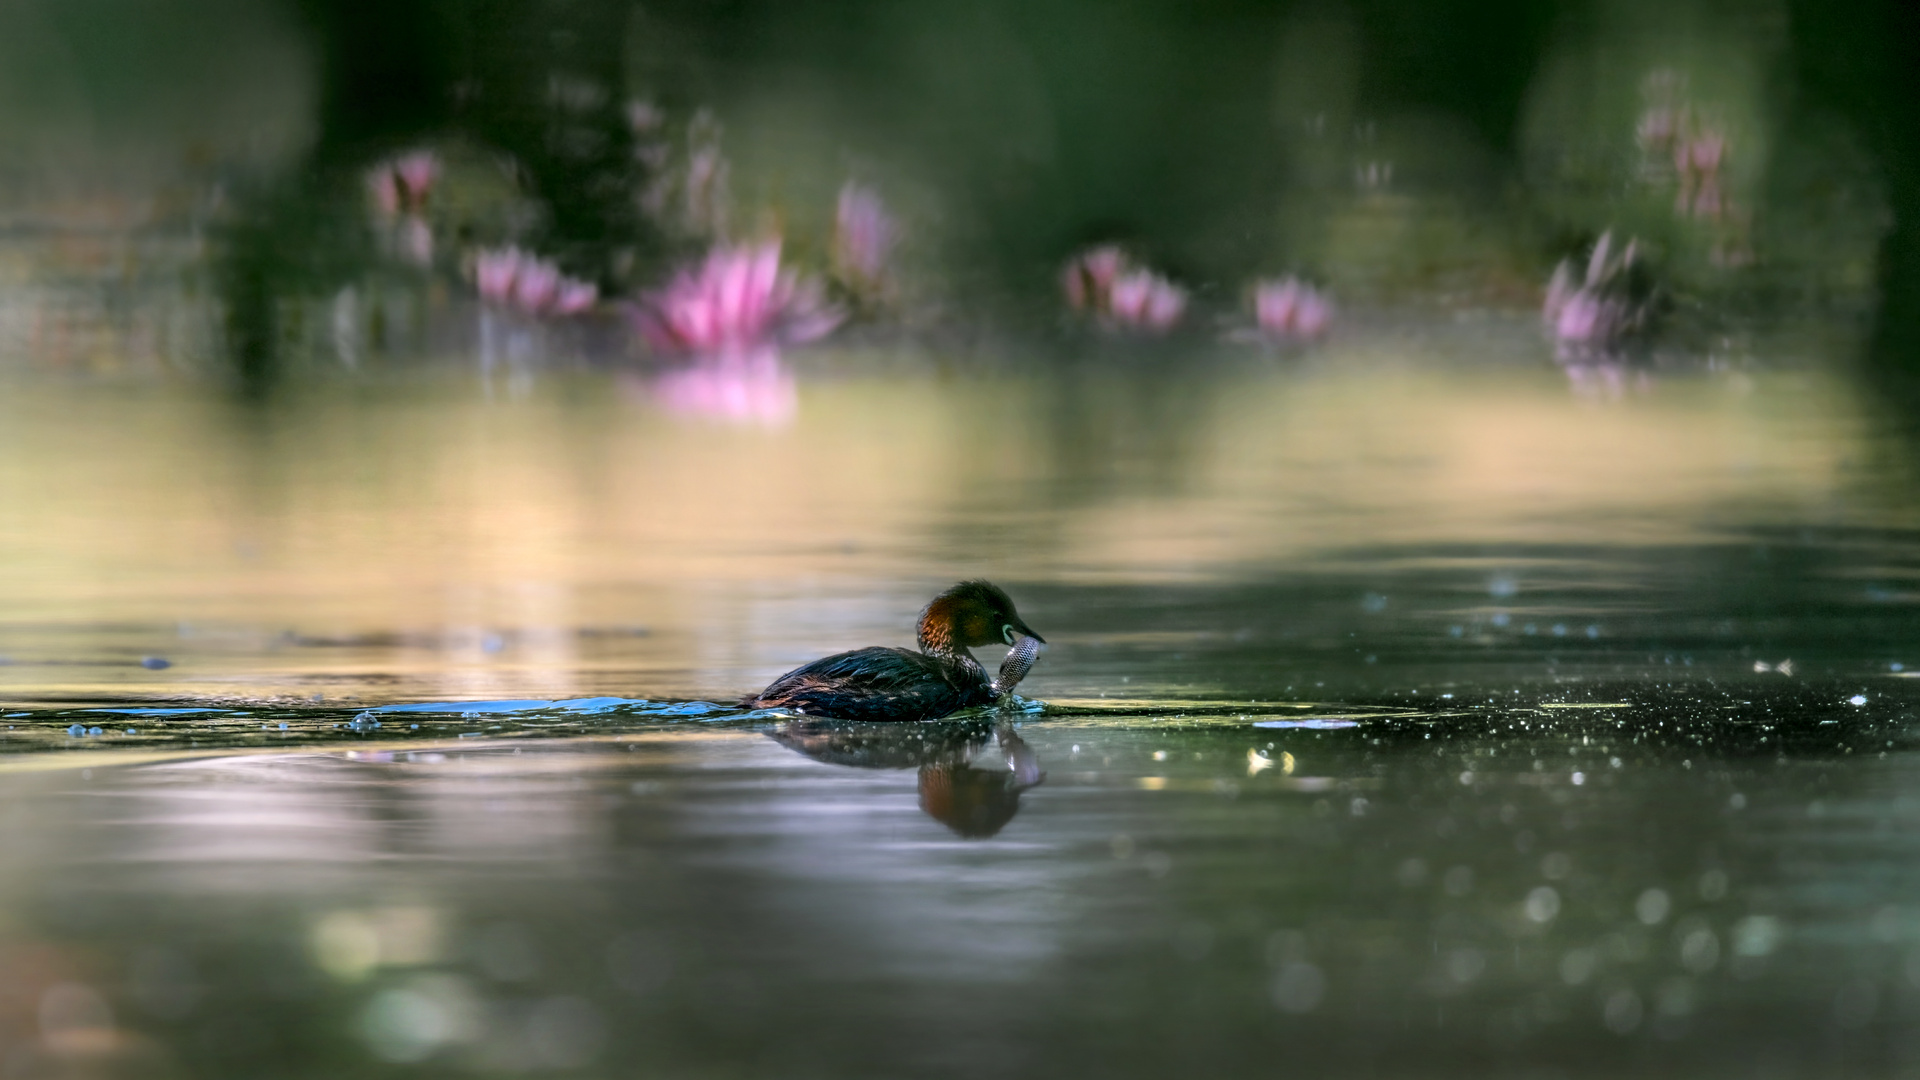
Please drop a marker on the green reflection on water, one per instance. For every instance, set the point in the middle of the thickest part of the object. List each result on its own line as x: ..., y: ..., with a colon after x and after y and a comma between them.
x: 1644, y: 888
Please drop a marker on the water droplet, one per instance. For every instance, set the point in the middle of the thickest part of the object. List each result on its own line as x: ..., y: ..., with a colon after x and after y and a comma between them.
x: 1757, y: 935
x: 1699, y: 950
x: 1652, y: 906
x: 1578, y: 966
x: 1713, y: 885
x: 1465, y: 965
x: 1622, y: 1011
x: 1298, y: 987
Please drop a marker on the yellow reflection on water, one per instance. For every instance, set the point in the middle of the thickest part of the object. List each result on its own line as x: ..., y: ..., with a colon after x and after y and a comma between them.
x: 1306, y: 467
x: 477, y: 535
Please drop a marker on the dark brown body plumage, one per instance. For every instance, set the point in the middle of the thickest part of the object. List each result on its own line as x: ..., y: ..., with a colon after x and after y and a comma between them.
x: 880, y: 683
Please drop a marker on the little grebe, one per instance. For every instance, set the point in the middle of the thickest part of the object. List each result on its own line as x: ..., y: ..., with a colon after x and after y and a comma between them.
x: 879, y: 683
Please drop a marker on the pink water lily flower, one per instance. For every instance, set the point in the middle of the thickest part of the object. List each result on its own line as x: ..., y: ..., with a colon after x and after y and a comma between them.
x: 1089, y: 276
x: 1290, y: 308
x: 864, y: 235
x: 1103, y: 282
x: 402, y: 183
x: 1143, y: 300
x: 1698, y: 158
x: 735, y: 300
x: 1597, y: 310
x: 511, y: 277
x: 1693, y: 139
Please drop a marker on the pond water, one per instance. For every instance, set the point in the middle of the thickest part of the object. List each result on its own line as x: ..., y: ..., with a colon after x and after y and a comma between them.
x: 1409, y: 709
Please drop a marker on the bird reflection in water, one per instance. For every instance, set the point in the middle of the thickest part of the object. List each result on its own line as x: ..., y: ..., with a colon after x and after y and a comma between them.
x: 973, y: 799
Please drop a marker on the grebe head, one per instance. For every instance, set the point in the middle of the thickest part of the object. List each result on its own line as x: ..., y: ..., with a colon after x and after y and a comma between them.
x: 971, y: 613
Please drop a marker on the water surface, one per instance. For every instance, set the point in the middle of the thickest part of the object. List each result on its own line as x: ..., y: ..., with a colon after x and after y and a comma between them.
x: 1409, y: 709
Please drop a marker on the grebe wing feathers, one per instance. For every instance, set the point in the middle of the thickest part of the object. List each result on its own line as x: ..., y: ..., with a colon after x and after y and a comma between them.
x: 878, y: 683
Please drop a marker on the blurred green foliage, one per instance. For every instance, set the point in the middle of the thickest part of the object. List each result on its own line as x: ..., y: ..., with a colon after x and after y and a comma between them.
x: 1402, y: 152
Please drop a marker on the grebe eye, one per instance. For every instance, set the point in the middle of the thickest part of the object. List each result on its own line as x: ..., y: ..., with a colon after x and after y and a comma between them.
x: 1006, y: 633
